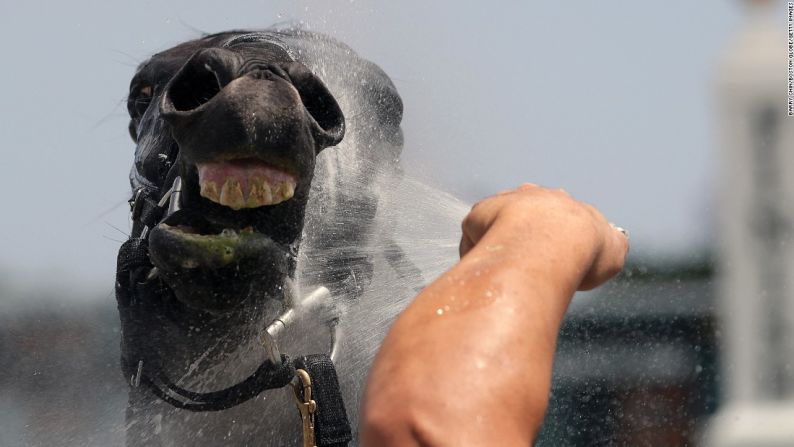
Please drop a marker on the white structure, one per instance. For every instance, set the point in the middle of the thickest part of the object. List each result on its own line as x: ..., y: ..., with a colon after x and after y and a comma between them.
x: 756, y: 236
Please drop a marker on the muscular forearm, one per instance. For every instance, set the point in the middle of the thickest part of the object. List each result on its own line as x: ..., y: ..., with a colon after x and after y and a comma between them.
x: 469, y: 361
x: 505, y: 312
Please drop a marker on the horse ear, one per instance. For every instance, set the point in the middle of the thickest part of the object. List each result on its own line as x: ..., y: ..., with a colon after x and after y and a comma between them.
x: 329, y: 121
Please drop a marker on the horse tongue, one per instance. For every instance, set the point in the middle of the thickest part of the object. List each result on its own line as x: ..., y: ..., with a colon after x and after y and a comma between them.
x: 245, y: 185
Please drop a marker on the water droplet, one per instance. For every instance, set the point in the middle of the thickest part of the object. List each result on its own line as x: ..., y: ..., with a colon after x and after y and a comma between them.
x: 440, y: 311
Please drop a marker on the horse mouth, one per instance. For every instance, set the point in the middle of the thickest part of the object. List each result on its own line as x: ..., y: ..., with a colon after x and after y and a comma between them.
x: 245, y: 183
x: 227, y: 215
x: 202, y: 244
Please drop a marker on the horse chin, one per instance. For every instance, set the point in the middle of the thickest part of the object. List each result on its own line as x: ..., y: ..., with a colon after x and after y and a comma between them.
x: 219, y: 273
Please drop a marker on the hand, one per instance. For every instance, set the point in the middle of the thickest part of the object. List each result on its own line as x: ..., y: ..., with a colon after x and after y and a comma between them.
x: 516, y: 216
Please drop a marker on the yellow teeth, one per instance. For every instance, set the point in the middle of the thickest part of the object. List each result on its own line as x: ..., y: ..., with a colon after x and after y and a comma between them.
x: 260, y: 192
x: 287, y: 190
x: 232, y: 194
x: 210, y: 191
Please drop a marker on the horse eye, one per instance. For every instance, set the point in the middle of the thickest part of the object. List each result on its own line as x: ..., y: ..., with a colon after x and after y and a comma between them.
x: 139, y: 100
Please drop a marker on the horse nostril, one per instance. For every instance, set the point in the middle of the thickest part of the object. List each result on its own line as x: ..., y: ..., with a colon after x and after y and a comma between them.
x: 195, y: 86
x: 200, y: 79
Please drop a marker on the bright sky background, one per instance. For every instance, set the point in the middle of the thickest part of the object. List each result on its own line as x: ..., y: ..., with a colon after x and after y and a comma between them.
x: 610, y: 100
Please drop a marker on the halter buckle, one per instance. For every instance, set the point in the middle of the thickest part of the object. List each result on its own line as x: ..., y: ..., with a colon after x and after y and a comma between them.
x: 302, y: 387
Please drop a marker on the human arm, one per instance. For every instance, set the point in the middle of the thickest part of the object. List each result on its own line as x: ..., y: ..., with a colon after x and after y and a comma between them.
x: 469, y: 361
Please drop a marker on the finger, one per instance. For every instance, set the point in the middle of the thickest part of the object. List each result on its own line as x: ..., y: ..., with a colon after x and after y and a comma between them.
x: 527, y: 185
x: 480, y: 217
x: 522, y: 187
x: 621, y: 230
x: 466, y: 244
x: 610, y: 260
x: 472, y: 228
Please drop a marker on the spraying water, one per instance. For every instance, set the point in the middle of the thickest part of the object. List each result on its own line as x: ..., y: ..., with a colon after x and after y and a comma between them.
x: 414, y: 238
x: 372, y: 236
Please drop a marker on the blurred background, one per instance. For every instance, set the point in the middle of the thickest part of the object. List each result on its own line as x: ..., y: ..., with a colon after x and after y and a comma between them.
x: 671, y: 118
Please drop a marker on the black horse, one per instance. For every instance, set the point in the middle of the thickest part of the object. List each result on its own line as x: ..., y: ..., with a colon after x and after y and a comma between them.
x: 245, y: 199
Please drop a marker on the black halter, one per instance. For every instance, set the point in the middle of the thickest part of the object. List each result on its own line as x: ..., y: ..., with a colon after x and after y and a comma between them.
x: 140, y: 301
